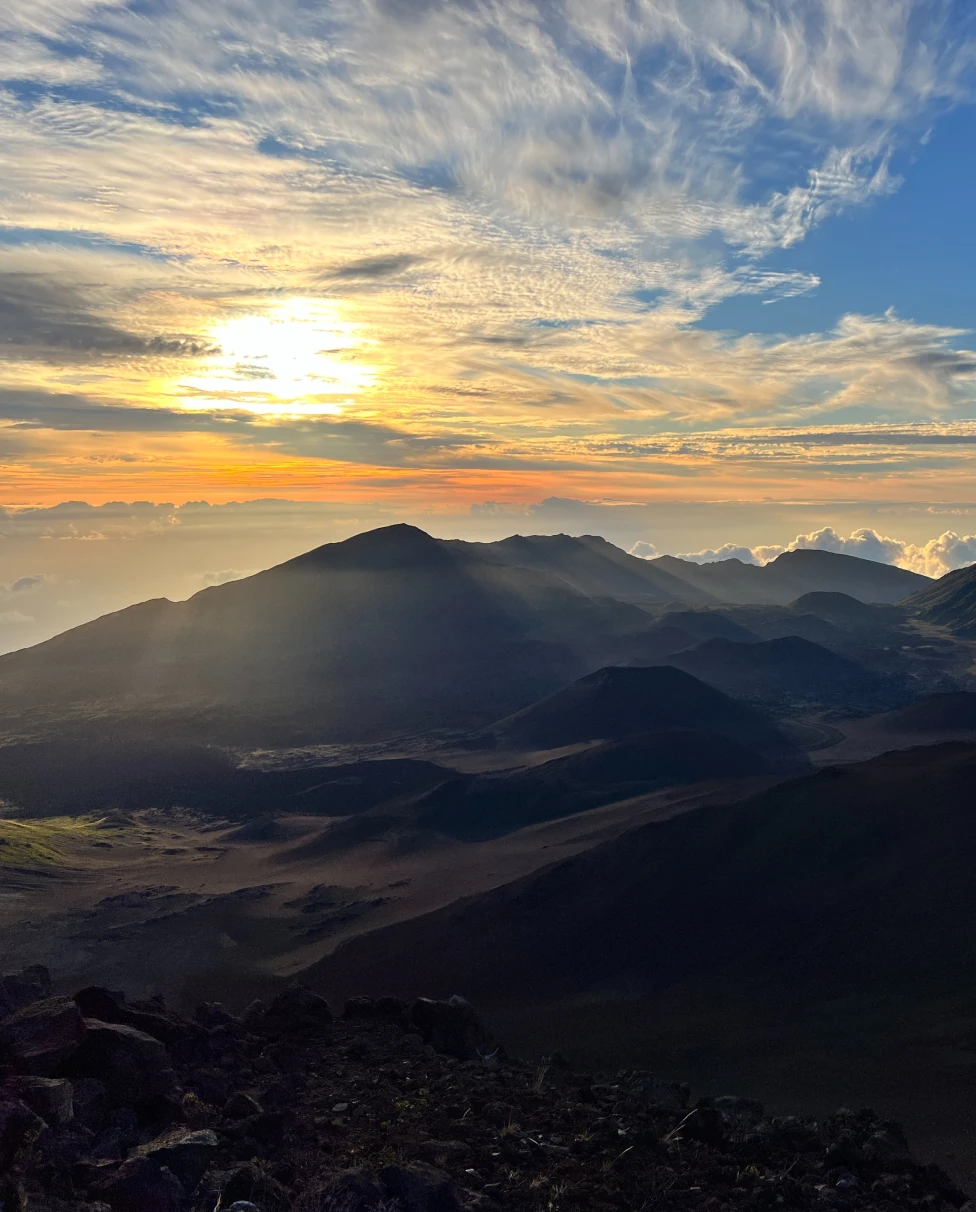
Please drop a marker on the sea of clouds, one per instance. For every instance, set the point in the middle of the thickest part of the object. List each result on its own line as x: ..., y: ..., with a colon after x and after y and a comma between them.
x: 935, y: 558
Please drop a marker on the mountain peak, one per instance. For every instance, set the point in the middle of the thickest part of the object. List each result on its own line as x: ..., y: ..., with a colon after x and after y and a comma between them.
x: 397, y: 546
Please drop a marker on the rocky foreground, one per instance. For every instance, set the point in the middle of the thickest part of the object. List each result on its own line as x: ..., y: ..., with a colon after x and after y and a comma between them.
x: 115, y: 1106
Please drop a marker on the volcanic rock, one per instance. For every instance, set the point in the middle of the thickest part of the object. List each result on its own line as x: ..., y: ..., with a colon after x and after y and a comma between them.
x: 450, y: 1027
x: 39, y: 1037
x: 50, y: 1098
x: 185, y: 1154
x: 133, y: 1065
x: 297, y: 1008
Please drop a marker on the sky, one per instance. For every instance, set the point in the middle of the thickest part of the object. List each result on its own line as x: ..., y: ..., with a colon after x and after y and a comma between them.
x: 696, y: 274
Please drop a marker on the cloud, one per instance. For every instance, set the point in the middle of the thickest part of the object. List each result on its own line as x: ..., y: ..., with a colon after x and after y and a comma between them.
x: 388, y: 265
x: 26, y: 584
x: 43, y: 317
x: 15, y: 616
x: 222, y: 578
x: 934, y: 558
x: 644, y: 550
x: 526, y: 229
x: 730, y: 551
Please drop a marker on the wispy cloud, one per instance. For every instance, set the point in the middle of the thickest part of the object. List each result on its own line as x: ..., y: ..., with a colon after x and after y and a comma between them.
x: 524, y: 211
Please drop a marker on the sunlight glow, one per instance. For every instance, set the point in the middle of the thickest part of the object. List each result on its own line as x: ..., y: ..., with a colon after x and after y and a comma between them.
x: 296, y: 358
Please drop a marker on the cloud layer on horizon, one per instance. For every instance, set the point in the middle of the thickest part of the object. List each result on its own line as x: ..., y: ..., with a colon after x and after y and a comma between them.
x: 934, y: 558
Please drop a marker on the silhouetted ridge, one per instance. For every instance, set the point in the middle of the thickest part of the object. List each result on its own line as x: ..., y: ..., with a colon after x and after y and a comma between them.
x: 399, y: 546
x: 387, y: 633
x: 835, y: 607
x: 707, y: 625
x: 793, y: 574
x: 488, y: 805
x: 590, y: 565
x: 616, y: 702
x: 789, y: 666
x: 950, y: 602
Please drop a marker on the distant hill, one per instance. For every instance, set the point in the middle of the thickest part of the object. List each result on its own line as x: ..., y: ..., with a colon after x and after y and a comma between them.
x: 793, y: 574
x: 950, y: 602
x: 708, y: 625
x: 390, y: 632
x: 790, y: 667
x: 615, y: 703
x: 590, y: 565
x: 487, y: 805
x: 653, y: 646
x: 840, y: 610
x: 954, y: 711
x: 777, y: 622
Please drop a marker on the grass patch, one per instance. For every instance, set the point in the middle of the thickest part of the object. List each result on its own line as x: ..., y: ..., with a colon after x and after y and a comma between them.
x: 39, y: 843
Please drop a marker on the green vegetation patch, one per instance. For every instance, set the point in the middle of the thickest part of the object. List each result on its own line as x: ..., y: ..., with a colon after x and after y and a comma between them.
x: 39, y: 843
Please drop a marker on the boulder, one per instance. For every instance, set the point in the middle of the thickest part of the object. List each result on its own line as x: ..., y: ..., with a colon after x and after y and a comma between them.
x: 740, y: 1112
x: 133, y: 1066
x: 359, y: 1007
x: 664, y: 1096
x: 242, y: 1106
x: 452, y: 1027
x: 248, y: 1183
x: 141, y: 1185
x: 792, y: 1132
x: 888, y: 1146
x: 187, y: 1154
x: 90, y: 1102
x: 110, y: 1007
x: 253, y: 1015
x: 13, y: 1198
x: 52, y: 1098
x: 421, y: 1188
x: 19, y: 1128
x: 297, y: 1008
x: 19, y: 989
x: 103, y: 1004
x: 350, y: 1191
x: 38, y: 1038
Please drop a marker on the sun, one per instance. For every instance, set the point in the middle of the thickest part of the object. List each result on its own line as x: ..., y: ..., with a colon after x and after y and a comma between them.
x: 296, y: 357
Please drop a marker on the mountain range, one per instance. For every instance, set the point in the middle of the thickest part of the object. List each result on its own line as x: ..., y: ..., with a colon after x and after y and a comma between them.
x: 391, y: 632
x: 793, y: 574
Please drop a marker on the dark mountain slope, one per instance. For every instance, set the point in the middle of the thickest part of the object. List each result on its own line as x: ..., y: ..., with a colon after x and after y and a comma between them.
x: 795, y: 573
x: 653, y: 646
x: 951, y: 712
x: 614, y: 703
x: 950, y: 602
x: 55, y: 778
x: 790, y: 668
x: 777, y: 622
x: 852, y: 879
x: 708, y: 625
x: 386, y: 633
x: 590, y: 565
x: 487, y: 805
x: 842, y: 610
